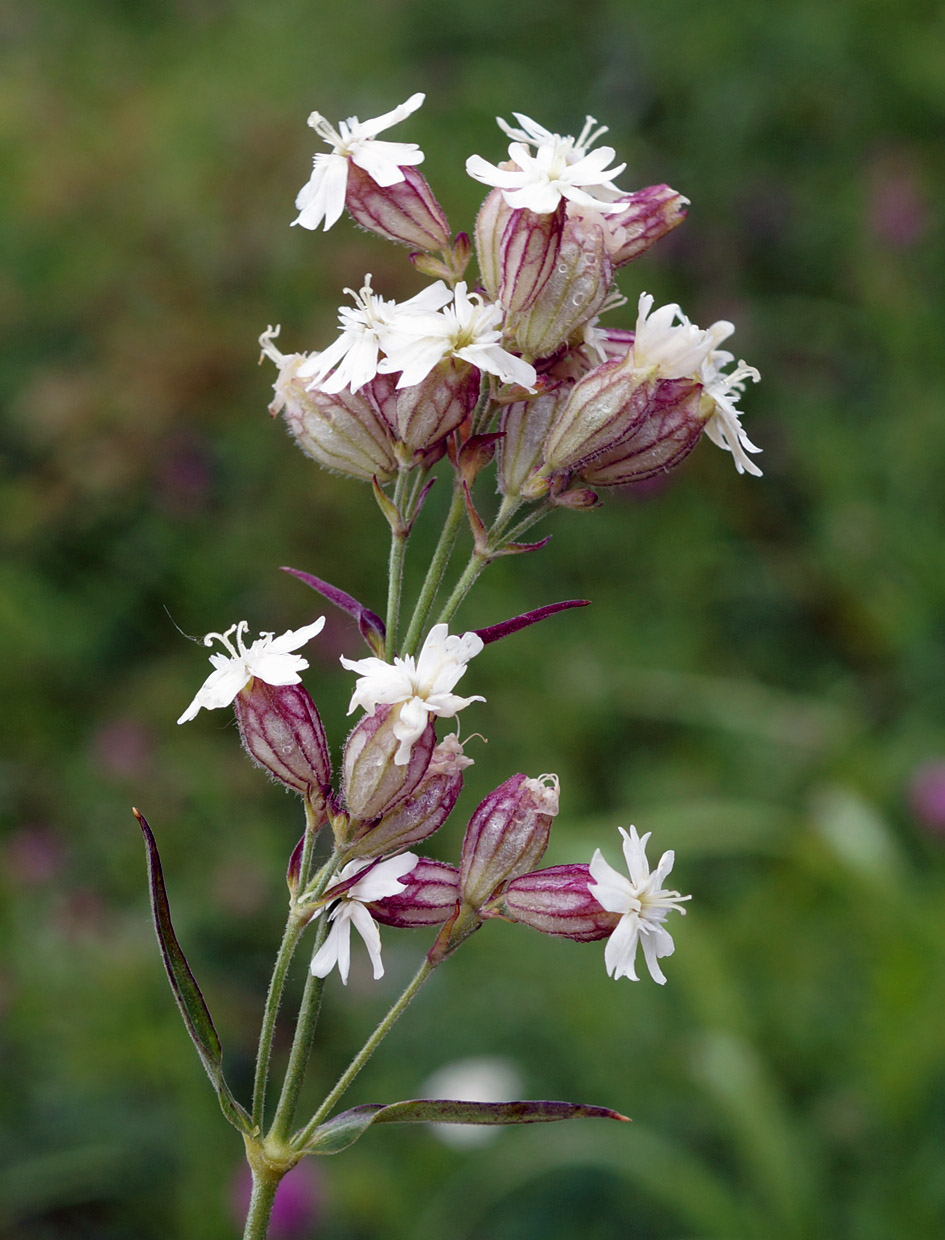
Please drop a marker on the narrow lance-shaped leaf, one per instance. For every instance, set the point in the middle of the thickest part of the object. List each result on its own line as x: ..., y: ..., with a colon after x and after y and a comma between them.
x: 370, y: 625
x: 190, y: 1001
x: 495, y: 631
x: 344, y: 1129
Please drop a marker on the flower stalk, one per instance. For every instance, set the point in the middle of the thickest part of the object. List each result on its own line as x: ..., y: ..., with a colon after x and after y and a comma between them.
x: 515, y: 366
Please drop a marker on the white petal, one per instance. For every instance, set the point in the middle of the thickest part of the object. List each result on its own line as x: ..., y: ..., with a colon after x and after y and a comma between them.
x: 297, y: 637
x: 370, y: 129
x: 366, y: 926
x: 621, y: 949
x: 323, y: 197
x: 408, y: 727
x: 383, y: 879
x: 336, y: 950
x: 610, y: 889
x: 219, y: 689
x: 650, y: 954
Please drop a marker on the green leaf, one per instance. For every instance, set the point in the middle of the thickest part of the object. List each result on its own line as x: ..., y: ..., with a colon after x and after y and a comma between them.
x: 190, y: 1002
x: 338, y: 1133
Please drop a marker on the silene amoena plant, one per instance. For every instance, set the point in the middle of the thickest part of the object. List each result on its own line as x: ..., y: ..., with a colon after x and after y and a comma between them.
x: 514, y: 370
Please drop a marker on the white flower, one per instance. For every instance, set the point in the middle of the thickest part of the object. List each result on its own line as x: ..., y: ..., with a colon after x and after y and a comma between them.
x: 323, y: 195
x: 724, y: 426
x: 560, y: 167
x: 468, y: 329
x: 355, y: 354
x: 423, y: 685
x: 683, y: 351
x: 643, y: 903
x: 382, y: 880
x: 269, y: 658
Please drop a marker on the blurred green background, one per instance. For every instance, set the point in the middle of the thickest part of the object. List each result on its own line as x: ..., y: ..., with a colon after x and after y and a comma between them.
x: 759, y: 681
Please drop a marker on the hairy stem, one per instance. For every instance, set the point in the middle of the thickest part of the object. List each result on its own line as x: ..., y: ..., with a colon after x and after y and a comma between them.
x: 294, y: 926
x: 441, y: 558
x: 363, y: 1055
x: 395, y: 570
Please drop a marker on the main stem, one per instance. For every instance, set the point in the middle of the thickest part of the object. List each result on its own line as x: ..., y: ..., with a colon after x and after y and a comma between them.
x: 363, y: 1055
x: 294, y: 926
x: 441, y: 557
x: 395, y: 570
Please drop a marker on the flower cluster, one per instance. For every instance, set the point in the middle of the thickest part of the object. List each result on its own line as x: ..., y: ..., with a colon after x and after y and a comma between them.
x: 399, y: 786
x: 523, y: 354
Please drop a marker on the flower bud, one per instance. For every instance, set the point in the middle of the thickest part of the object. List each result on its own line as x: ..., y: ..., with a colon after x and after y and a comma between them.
x: 421, y: 416
x: 416, y: 816
x: 520, y: 453
x: 555, y: 901
x: 573, y: 293
x: 507, y: 835
x: 406, y: 213
x: 675, y: 420
x: 529, y: 250
x: 646, y: 215
x: 282, y: 733
x: 342, y: 431
x: 373, y: 782
x: 494, y: 215
x: 429, y: 895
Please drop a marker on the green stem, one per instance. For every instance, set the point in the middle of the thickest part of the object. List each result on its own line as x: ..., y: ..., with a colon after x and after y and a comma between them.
x: 294, y: 926
x: 260, y: 1205
x: 395, y: 570
x: 307, y: 1020
x: 290, y: 938
x: 363, y: 1055
x: 441, y: 558
x: 477, y: 562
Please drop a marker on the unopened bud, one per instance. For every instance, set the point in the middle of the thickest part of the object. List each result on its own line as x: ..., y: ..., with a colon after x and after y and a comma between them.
x: 555, y: 901
x: 507, y: 835
x: 419, y: 815
x: 494, y: 215
x: 429, y: 895
x: 373, y: 782
x: 341, y: 431
x: 529, y: 250
x: 282, y: 733
x: 574, y: 291
x: 603, y: 408
x: 673, y: 425
x: 521, y: 449
x: 406, y: 213
x: 647, y: 215
x: 421, y: 416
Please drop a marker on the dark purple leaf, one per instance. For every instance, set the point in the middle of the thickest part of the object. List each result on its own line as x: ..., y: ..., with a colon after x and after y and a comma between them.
x: 190, y: 1001
x: 343, y: 1130
x: 495, y: 631
x: 370, y: 625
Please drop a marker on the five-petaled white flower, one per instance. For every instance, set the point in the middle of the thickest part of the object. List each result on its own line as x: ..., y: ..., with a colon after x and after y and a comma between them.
x: 382, y: 880
x: 270, y: 658
x: 354, y: 356
x: 422, y: 686
x: 561, y: 167
x: 323, y: 195
x: 468, y: 329
x: 643, y: 903
x: 681, y: 350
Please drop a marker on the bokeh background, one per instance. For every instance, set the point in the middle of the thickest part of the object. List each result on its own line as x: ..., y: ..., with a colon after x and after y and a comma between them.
x: 759, y: 680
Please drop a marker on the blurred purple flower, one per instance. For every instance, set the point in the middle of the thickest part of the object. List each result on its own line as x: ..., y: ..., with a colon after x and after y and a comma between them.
x: 123, y: 748
x: 897, y: 208
x: 926, y: 794
x: 298, y: 1208
x: 33, y: 855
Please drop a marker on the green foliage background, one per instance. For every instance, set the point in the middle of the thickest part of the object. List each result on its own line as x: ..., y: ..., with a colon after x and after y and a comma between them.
x: 759, y: 676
